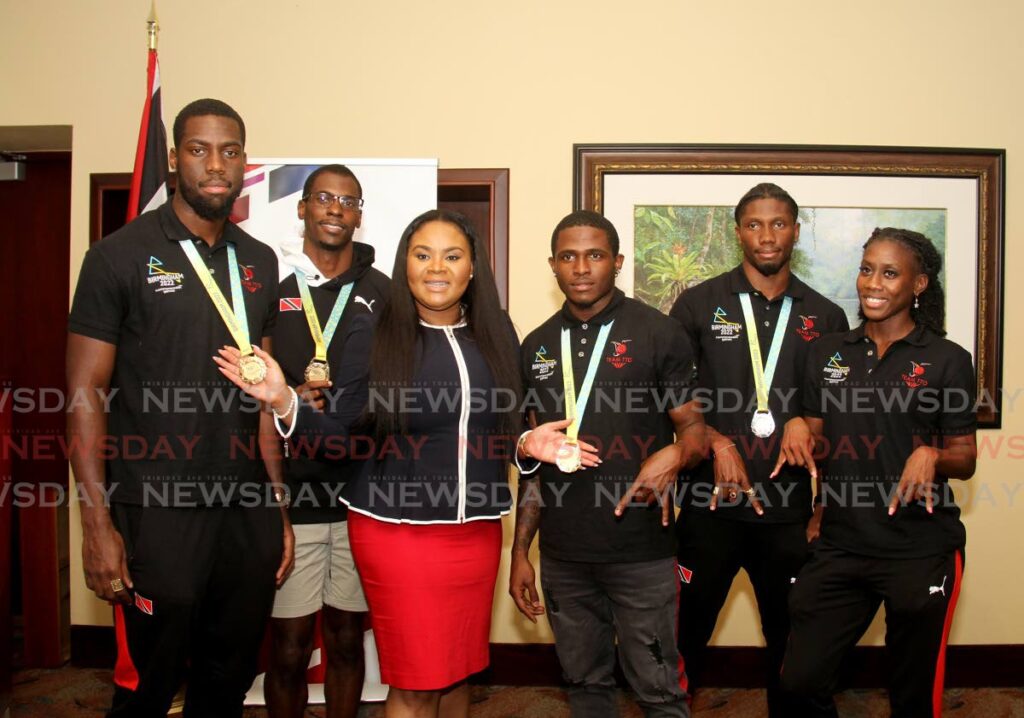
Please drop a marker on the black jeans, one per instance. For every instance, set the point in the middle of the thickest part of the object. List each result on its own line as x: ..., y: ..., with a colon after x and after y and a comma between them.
x: 589, y: 605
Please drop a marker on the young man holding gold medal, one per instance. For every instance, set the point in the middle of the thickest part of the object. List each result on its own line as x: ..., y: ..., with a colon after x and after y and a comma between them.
x: 192, y: 542
x: 330, y: 295
x: 750, y: 329
x: 606, y: 539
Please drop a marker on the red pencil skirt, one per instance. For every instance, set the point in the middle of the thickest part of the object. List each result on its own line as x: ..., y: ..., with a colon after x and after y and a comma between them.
x: 430, y: 589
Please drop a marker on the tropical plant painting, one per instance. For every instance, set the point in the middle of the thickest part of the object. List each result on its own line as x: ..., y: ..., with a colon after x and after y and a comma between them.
x: 677, y: 247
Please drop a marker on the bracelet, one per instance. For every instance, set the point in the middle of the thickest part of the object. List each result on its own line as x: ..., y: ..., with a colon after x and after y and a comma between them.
x: 291, y: 405
x: 279, y: 417
x: 728, y: 446
x: 521, y: 444
x: 515, y: 455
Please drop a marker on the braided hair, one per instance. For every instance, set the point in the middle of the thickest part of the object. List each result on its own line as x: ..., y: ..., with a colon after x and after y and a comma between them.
x: 931, y: 311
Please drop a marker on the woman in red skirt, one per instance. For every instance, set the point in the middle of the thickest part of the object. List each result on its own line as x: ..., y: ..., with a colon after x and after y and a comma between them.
x: 442, y: 408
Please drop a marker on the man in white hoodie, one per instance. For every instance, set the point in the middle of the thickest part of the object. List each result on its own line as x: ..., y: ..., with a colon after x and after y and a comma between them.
x: 328, y: 296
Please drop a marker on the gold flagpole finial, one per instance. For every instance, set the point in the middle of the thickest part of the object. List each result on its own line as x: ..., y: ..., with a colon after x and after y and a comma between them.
x: 153, y: 25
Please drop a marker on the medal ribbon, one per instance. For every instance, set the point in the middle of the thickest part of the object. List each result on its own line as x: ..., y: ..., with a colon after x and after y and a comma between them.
x: 764, y: 373
x: 322, y: 339
x: 236, y: 319
x: 576, y: 405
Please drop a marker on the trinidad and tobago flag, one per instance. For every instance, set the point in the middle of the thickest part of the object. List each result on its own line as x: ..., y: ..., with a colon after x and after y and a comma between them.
x: 149, y: 180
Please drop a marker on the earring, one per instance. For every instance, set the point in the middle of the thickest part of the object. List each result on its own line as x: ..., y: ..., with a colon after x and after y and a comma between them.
x: 917, y: 302
x: 617, y: 272
x: 470, y: 276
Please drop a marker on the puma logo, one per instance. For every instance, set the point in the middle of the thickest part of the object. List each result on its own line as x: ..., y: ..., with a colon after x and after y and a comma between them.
x: 941, y: 588
x: 369, y: 304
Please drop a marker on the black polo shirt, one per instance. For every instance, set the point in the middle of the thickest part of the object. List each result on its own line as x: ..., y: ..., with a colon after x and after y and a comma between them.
x: 876, y: 413
x: 319, y: 464
x: 712, y: 315
x: 645, y: 370
x: 179, y: 433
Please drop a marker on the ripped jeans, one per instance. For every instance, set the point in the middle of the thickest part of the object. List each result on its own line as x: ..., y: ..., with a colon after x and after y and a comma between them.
x: 590, y: 605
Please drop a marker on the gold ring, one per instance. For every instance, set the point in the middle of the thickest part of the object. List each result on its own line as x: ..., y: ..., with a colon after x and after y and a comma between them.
x: 116, y: 585
x: 750, y: 492
x: 716, y: 491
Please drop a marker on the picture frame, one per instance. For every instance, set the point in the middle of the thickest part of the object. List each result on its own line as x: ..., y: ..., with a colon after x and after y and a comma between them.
x: 963, y: 188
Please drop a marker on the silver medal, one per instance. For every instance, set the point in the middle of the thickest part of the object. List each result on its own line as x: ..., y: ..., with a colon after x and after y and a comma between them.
x: 762, y: 424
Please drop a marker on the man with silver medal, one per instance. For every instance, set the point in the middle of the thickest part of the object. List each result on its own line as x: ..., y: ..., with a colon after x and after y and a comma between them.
x: 604, y: 511
x: 750, y: 328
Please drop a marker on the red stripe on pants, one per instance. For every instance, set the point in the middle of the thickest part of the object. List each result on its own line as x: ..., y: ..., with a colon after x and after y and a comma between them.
x: 940, y: 666
x: 125, y: 674
x: 684, y: 680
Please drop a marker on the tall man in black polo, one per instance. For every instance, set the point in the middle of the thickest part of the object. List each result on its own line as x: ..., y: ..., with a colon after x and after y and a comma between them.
x: 733, y: 515
x: 326, y: 267
x: 607, y: 561
x: 188, y: 547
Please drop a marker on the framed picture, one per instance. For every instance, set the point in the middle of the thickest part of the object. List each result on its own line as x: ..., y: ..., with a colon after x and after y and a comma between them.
x: 673, y: 205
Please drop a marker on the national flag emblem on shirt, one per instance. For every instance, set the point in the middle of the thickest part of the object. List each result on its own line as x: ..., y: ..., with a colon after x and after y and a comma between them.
x: 685, y: 574
x: 144, y: 604
x: 290, y: 304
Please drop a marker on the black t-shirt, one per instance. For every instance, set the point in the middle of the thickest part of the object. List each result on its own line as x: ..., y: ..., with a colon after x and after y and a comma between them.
x: 180, y: 433
x: 645, y: 370
x: 876, y: 413
x: 713, y: 318
x: 318, y: 465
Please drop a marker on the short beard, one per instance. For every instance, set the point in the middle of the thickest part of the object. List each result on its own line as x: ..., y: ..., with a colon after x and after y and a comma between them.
x: 209, y: 210
x: 769, y: 270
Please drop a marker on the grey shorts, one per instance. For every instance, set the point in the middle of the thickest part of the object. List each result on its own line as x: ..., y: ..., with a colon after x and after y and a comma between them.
x: 324, y: 573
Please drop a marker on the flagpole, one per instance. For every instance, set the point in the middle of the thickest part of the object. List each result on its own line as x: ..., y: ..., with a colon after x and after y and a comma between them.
x: 153, y: 26
x: 149, y: 178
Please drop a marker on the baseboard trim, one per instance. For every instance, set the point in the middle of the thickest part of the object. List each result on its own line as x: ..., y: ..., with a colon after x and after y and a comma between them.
x: 967, y: 666
x: 93, y: 646
x: 535, y: 664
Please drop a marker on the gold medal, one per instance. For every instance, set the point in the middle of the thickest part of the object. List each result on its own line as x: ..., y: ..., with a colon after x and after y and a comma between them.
x: 317, y: 370
x: 569, y: 458
x: 252, y: 369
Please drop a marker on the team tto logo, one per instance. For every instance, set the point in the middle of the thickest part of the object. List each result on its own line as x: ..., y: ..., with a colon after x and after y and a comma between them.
x: 915, y: 377
x: 834, y: 371
x: 620, y: 357
x: 723, y: 329
x: 289, y: 304
x: 249, y: 279
x: 807, y: 332
x: 164, y: 281
x: 543, y: 367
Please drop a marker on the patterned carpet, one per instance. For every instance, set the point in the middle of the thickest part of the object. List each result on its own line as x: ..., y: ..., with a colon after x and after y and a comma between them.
x: 85, y: 693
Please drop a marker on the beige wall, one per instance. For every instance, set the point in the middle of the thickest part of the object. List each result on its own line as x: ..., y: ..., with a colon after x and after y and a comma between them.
x: 516, y: 86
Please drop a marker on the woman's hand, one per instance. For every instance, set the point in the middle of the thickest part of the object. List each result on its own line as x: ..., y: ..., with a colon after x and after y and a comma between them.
x: 918, y: 479
x: 272, y: 391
